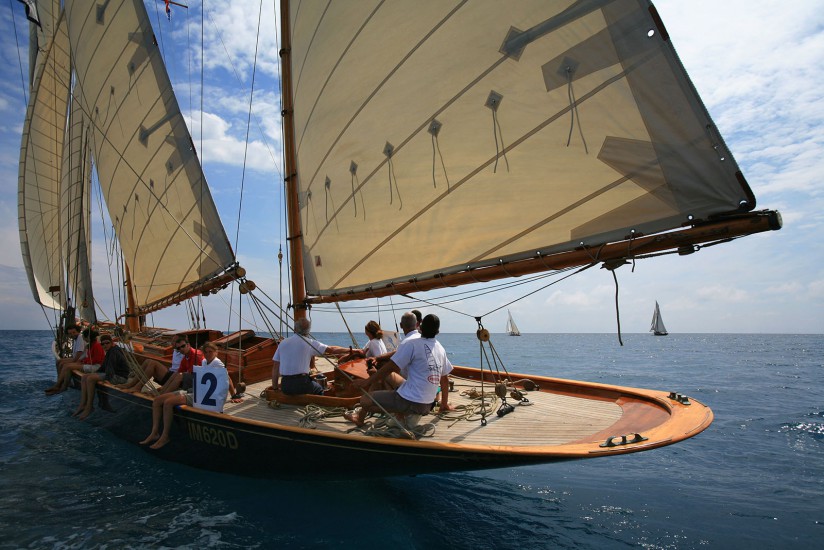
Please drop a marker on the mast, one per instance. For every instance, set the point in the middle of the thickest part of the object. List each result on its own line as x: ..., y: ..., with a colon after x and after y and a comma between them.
x: 295, y: 236
x: 133, y: 323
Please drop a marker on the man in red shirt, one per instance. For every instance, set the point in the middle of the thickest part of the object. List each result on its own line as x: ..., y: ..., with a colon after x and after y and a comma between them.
x: 191, y: 357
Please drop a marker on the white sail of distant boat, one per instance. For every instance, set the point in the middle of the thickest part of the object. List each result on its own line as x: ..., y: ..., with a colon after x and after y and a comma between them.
x: 511, y: 327
x: 657, y: 327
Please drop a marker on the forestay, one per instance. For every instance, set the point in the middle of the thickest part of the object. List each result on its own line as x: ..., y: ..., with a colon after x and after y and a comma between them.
x: 438, y: 135
x: 154, y: 188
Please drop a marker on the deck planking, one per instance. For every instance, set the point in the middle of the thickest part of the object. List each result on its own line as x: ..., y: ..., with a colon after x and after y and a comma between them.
x: 550, y: 419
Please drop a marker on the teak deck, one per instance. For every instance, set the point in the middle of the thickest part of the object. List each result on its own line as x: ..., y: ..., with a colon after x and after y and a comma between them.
x: 551, y: 419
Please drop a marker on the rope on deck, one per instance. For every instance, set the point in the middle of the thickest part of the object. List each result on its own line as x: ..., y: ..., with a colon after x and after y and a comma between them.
x: 385, y: 426
x: 311, y: 414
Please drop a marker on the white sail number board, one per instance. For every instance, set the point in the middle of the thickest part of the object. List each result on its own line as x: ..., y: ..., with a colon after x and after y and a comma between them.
x: 211, y: 386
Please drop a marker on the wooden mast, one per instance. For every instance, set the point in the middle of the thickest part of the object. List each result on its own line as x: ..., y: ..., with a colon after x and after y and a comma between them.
x: 295, y: 236
x: 132, y: 314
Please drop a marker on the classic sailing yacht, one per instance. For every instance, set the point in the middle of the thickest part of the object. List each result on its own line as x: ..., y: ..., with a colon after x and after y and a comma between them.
x: 511, y: 327
x: 657, y: 327
x: 456, y: 142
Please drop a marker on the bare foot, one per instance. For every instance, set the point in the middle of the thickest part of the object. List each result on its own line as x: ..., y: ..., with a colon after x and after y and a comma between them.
x: 160, y: 443
x: 85, y: 414
x: 152, y: 437
x: 78, y: 411
x: 55, y: 391
x: 355, y: 416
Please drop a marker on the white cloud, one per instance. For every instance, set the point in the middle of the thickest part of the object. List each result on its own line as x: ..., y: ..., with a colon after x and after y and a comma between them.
x: 223, y: 142
x: 581, y: 298
x: 816, y: 290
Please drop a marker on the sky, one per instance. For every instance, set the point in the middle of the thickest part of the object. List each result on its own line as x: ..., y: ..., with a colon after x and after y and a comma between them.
x: 758, y: 68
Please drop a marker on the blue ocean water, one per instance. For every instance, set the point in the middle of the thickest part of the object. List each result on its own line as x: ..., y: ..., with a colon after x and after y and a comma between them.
x: 754, y: 479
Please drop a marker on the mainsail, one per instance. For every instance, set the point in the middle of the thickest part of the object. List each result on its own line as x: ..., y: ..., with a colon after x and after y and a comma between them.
x: 437, y: 138
x: 152, y: 182
x: 40, y: 165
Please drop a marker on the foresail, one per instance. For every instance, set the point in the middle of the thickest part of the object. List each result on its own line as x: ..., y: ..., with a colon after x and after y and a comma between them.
x: 151, y: 179
x: 75, y: 206
x: 433, y: 137
x: 40, y: 164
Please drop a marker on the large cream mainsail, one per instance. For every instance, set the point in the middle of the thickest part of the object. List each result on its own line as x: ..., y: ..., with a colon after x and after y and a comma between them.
x: 438, y: 135
x: 40, y: 153
x: 75, y: 206
x: 151, y: 179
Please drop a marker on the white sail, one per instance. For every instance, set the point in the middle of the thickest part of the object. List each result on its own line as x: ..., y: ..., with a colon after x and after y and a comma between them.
x: 75, y: 206
x: 40, y: 162
x: 438, y: 136
x: 657, y: 325
x: 511, y: 327
x: 151, y: 179
x: 40, y: 36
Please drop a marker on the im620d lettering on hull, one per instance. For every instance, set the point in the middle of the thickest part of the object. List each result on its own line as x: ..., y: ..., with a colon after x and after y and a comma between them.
x: 213, y: 436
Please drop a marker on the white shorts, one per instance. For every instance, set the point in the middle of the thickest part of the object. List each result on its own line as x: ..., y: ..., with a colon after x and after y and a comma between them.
x: 91, y: 368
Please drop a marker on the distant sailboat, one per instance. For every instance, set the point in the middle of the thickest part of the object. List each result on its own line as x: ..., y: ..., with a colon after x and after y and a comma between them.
x: 657, y: 327
x: 511, y: 328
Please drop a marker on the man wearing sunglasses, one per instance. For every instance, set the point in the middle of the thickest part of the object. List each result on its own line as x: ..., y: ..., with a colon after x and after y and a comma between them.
x: 191, y: 358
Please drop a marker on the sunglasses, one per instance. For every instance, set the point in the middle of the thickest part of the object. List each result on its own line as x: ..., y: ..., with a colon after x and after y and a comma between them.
x: 105, y: 343
x: 181, y: 347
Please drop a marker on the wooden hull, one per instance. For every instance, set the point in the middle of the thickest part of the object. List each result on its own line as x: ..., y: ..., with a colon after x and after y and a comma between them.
x: 257, y: 441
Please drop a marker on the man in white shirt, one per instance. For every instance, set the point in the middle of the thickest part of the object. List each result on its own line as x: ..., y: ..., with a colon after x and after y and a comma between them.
x: 78, y: 347
x: 427, y: 367
x: 409, y: 325
x: 293, y: 359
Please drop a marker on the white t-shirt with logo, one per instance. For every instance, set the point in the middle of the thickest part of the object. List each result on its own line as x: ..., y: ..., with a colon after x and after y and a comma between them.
x: 424, y: 361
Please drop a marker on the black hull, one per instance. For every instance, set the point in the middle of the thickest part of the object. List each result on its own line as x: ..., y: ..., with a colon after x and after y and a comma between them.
x: 225, y: 444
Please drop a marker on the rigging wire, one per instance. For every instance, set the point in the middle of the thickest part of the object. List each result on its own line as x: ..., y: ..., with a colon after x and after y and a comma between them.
x: 248, y: 125
x: 202, y: 175
x: 19, y: 59
x: 54, y: 322
x: 283, y: 225
x: 109, y: 248
x: 240, y: 81
x: 160, y: 31
x: 245, y: 157
x: 349, y: 330
x: 467, y: 294
x: 584, y: 268
x: 189, y: 66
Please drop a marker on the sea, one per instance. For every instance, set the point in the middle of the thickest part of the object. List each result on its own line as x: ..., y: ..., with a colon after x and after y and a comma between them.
x: 754, y: 479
